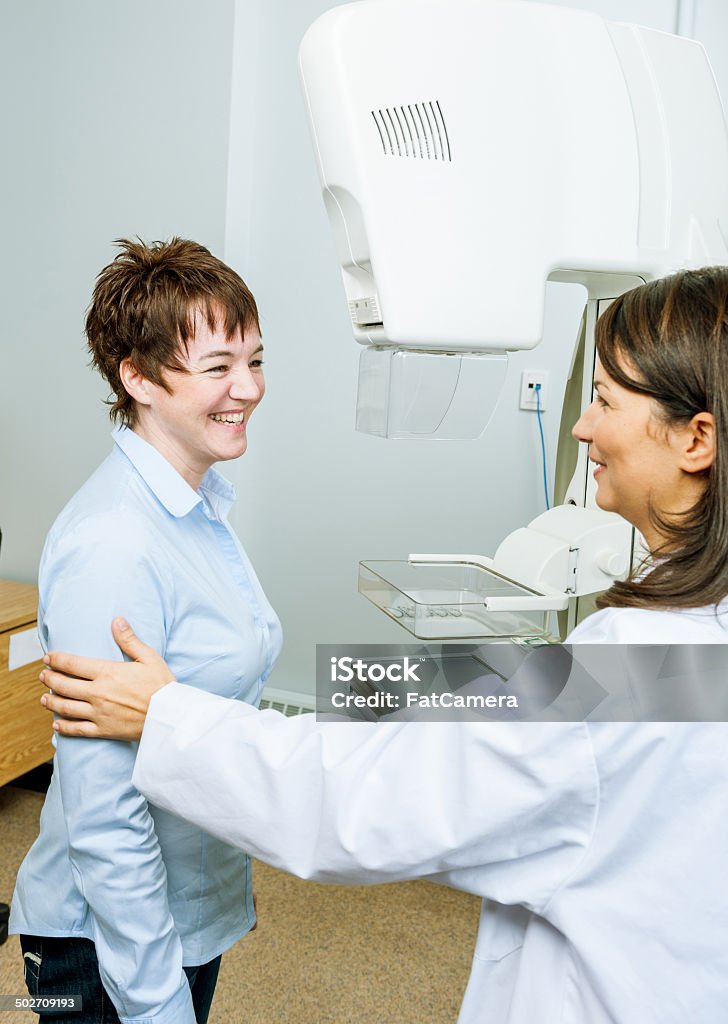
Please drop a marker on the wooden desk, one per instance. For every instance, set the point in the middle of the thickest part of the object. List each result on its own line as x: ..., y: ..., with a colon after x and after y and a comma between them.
x: 25, y: 727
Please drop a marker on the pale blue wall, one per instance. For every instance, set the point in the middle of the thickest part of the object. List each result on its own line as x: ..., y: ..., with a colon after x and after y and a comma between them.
x: 115, y: 122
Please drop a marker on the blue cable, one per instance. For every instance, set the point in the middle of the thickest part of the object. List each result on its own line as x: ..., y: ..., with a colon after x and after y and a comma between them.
x: 543, y: 445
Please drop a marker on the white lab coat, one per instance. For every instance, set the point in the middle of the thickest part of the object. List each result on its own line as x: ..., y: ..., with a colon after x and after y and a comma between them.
x: 600, y: 850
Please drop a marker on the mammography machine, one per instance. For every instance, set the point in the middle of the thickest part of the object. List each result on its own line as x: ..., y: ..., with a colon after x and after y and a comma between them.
x: 469, y: 151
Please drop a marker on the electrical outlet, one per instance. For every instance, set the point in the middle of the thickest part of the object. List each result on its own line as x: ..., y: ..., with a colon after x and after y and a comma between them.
x: 529, y: 380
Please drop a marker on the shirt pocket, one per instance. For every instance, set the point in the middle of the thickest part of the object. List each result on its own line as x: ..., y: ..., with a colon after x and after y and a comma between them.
x: 32, y: 961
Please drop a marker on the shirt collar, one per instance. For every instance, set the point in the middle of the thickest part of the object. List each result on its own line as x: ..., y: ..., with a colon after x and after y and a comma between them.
x: 167, y: 485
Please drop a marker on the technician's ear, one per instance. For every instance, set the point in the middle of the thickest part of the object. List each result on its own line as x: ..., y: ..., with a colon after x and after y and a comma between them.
x: 698, y: 452
x: 134, y: 383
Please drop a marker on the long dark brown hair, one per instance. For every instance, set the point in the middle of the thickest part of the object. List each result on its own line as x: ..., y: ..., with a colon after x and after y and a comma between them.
x: 669, y: 340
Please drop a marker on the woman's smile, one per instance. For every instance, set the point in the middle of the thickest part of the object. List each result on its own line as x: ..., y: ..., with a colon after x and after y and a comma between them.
x: 234, y: 418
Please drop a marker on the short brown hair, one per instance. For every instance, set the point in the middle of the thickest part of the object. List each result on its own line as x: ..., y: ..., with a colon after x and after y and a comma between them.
x: 669, y: 340
x: 144, y: 306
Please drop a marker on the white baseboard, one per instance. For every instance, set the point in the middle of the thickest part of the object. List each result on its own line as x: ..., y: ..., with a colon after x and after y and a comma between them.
x: 287, y: 702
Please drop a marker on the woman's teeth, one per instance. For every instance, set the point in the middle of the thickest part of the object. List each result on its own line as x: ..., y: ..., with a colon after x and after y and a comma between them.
x: 229, y: 417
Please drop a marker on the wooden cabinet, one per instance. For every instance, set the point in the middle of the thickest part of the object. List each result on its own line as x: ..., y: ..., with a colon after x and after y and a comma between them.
x: 25, y: 727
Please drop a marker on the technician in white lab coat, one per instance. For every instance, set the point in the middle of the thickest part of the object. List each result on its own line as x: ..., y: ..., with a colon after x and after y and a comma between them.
x: 599, y: 849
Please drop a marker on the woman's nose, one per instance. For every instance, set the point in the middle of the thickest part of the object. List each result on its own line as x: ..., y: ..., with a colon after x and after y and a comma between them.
x: 583, y: 428
x: 246, y: 385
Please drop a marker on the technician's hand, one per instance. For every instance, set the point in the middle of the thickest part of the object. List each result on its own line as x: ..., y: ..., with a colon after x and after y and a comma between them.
x: 104, y: 699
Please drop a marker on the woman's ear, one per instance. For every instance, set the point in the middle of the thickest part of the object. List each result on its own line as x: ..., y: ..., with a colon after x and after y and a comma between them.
x: 134, y: 383
x: 698, y: 444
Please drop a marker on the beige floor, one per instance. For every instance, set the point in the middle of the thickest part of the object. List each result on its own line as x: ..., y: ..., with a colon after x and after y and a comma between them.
x: 390, y: 954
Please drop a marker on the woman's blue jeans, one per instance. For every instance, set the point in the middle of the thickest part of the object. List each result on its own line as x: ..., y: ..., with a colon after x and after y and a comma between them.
x: 69, y: 966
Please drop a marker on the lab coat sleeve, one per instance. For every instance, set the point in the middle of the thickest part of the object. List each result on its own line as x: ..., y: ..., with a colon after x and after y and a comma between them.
x: 503, y: 810
x: 93, y: 575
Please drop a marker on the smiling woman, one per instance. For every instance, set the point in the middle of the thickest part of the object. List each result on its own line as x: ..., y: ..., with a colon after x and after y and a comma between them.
x: 118, y: 900
x: 658, y: 433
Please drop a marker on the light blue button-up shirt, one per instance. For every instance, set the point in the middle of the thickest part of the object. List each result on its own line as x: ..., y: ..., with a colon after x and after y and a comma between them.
x: 152, y: 892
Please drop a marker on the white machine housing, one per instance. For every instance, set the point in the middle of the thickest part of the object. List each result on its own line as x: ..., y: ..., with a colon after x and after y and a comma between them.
x: 469, y: 150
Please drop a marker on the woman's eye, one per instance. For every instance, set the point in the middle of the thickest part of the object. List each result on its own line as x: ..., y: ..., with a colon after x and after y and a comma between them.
x: 256, y: 364
x: 604, y: 404
x: 218, y: 369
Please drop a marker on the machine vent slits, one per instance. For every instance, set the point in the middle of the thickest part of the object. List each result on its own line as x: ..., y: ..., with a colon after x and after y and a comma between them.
x: 417, y: 130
